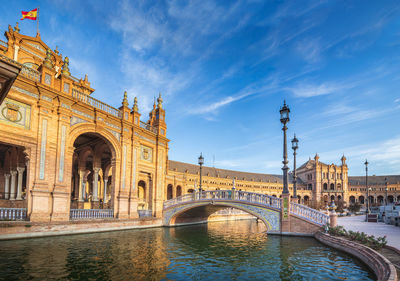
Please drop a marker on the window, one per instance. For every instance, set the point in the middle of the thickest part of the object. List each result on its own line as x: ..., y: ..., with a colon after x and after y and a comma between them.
x: 136, y: 120
x: 47, y: 79
x: 66, y: 87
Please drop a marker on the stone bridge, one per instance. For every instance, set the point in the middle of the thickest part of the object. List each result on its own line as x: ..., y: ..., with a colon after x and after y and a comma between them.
x: 279, y: 215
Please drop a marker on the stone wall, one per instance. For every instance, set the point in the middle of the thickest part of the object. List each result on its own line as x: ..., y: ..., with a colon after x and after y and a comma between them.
x: 382, y: 267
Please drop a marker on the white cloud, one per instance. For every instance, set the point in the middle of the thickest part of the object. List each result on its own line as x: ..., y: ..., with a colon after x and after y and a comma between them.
x: 312, y: 90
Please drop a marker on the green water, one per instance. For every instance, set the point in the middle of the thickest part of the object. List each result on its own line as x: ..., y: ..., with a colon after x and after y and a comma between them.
x: 218, y: 251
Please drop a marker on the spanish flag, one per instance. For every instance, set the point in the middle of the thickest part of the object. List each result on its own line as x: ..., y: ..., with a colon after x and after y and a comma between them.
x: 31, y: 15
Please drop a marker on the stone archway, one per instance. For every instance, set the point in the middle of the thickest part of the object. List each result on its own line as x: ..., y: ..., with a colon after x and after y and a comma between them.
x: 93, y: 169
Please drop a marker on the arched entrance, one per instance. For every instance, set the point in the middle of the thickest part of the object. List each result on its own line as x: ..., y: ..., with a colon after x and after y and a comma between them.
x: 92, y: 181
x: 13, y: 176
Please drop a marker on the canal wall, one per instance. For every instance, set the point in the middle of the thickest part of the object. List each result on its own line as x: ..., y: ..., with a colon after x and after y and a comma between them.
x: 21, y: 230
x: 381, y: 266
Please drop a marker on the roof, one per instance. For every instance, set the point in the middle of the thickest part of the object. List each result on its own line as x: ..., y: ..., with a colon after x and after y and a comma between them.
x: 222, y: 173
x: 374, y: 180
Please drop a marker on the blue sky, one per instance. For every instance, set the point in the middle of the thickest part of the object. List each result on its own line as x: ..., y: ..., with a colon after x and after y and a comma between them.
x: 224, y: 68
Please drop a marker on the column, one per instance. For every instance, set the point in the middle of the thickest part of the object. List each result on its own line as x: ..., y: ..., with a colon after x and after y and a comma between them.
x: 95, y: 183
x: 16, y: 48
x: 13, y: 184
x: 19, y: 187
x: 105, y: 191
x: 7, y: 186
x: 81, y: 185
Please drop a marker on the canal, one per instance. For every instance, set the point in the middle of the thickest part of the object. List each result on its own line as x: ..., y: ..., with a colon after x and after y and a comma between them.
x: 235, y: 250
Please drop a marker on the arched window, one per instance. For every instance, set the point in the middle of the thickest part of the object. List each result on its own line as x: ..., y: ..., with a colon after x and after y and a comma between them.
x: 352, y: 200
x: 325, y: 186
x: 339, y: 186
x: 309, y: 186
x: 361, y: 200
x: 178, y: 191
x: 332, y: 197
x: 332, y: 186
x: 169, y: 192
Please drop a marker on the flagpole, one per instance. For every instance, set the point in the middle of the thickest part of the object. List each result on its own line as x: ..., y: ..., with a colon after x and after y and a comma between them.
x: 37, y: 22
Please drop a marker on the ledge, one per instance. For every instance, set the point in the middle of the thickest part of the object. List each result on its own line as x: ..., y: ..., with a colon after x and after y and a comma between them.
x: 381, y: 266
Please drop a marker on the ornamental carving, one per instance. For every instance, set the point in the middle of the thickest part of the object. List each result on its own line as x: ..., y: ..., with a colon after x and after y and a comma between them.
x: 146, y: 153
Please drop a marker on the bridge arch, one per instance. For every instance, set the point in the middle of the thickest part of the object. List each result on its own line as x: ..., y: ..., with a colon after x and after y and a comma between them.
x: 208, y: 208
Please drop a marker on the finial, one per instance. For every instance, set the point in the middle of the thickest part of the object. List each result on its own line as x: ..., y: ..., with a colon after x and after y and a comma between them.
x: 16, y: 28
x: 47, y: 61
x: 135, y: 106
x: 86, y: 78
x: 154, y: 103
x: 56, y: 50
x: 159, y: 100
x: 125, y: 100
x: 65, y: 67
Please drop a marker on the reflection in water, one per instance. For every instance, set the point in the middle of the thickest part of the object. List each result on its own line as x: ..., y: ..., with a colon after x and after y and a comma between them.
x: 235, y: 250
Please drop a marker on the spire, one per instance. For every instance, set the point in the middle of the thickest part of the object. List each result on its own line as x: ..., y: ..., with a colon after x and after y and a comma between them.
x: 159, y: 100
x: 154, y: 104
x: 16, y: 28
x: 125, y: 100
x: 86, y: 78
x: 316, y: 158
x: 343, y: 159
x: 56, y: 50
x: 135, y: 106
x: 47, y: 61
x: 65, y: 67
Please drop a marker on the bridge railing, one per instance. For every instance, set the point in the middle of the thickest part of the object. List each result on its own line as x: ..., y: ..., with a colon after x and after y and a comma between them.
x: 309, y: 214
x: 224, y: 195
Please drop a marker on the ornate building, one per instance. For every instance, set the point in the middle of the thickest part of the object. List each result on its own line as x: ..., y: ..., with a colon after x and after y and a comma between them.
x: 66, y: 155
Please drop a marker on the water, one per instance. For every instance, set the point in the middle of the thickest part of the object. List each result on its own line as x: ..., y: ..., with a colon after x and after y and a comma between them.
x: 217, y: 251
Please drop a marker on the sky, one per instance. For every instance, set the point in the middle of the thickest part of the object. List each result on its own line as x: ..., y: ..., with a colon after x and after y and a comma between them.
x: 224, y: 69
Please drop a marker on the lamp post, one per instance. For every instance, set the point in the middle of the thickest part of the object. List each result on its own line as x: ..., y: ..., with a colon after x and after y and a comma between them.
x: 201, y: 162
x: 386, y: 190
x: 295, y: 146
x: 366, y: 183
x: 284, y: 111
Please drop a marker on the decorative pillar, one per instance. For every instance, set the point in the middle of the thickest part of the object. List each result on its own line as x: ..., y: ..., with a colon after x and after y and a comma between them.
x: 13, y: 184
x: 81, y: 185
x: 19, y: 187
x: 105, y: 190
x: 333, y: 215
x: 16, y: 49
x: 7, y: 186
x: 95, y: 183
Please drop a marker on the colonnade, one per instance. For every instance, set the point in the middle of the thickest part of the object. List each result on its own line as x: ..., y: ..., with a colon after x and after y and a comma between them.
x: 13, y: 184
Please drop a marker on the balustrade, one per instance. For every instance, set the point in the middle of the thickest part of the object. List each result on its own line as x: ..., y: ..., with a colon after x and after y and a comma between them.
x: 96, y: 103
x: 25, y: 71
x: 82, y: 214
x: 12, y: 214
x: 227, y: 195
x: 2, y: 43
x: 309, y: 213
x: 148, y: 127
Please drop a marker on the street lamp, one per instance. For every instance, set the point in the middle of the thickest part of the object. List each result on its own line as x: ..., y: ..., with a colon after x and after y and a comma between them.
x: 366, y: 183
x: 386, y: 190
x: 295, y: 146
x: 201, y: 162
x: 284, y: 111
